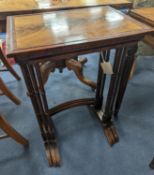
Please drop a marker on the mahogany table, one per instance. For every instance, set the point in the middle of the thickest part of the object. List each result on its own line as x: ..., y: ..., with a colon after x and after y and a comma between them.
x: 146, y: 15
x: 18, y: 7
x: 59, y: 36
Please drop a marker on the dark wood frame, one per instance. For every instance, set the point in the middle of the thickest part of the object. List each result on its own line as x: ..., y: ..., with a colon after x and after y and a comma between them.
x: 30, y: 59
x: 32, y: 75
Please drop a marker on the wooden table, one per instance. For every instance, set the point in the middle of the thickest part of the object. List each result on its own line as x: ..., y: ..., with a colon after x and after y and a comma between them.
x: 17, y: 7
x: 59, y: 36
x: 146, y: 15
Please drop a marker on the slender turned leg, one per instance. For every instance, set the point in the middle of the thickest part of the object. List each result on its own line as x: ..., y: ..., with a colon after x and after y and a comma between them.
x: 125, y: 76
x: 77, y: 67
x: 7, y: 128
x: 8, y: 93
x: 105, y: 55
x: 100, y: 85
x: 8, y: 66
x: 109, y: 129
x: 152, y: 164
x: 36, y: 92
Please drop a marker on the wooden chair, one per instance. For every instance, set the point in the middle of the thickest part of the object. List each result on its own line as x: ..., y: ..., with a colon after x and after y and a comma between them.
x: 11, y: 132
x: 4, y: 125
x: 148, y: 39
x: 7, y: 67
x: 4, y: 90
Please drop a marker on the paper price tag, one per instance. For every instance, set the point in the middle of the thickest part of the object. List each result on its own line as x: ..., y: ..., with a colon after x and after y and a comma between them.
x: 1, y: 43
x: 107, y: 68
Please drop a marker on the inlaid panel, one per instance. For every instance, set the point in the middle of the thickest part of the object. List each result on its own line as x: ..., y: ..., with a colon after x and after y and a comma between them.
x: 71, y: 27
x: 17, y: 6
x: 144, y: 14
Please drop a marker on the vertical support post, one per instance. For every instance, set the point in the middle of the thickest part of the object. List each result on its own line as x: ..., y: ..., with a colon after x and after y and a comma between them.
x: 40, y: 106
x: 129, y: 60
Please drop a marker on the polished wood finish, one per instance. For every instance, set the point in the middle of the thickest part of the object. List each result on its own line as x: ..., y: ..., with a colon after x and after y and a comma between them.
x: 56, y: 32
x: 59, y: 36
x: 33, y: 6
x: 17, y: 7
x: 144, y: 15
x: 11, y: 132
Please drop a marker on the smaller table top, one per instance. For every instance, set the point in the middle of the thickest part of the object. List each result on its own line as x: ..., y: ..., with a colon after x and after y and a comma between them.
x: 67, y: 31
x: 144, y: 14
x: 15, y: 7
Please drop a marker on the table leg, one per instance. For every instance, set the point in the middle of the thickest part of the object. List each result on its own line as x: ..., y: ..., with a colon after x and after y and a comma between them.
x: 125, y: 76
x: 100, y: 85
x: 109, y: 129
x: 104, y: 56
x: 37, y: 94
x: 152, y: 164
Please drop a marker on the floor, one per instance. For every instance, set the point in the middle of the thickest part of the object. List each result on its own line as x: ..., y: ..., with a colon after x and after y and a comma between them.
x: 83, y: 148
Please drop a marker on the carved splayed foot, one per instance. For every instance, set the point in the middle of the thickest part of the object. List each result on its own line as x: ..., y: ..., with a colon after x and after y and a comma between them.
x: 52, y: 153
x: 110, y: 133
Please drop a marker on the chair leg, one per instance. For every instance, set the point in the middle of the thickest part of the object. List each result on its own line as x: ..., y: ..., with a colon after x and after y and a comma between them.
x: 8, y: 93
x: 8, y: 66
x: 7, y: 128
x: 152, y: 164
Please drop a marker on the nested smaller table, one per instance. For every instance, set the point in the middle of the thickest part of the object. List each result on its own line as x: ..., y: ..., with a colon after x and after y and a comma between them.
x: 59, y: 36
x: 18, y: 7
x: 146, y: 15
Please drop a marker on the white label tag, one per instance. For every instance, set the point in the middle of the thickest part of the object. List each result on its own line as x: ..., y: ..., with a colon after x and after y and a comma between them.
x: 1, y: 43
x: 107, y: 68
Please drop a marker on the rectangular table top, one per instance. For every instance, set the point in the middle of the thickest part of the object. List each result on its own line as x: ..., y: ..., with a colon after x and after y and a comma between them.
x: 79, y: 29
x: 15, y: 7
x: 144, y: 14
